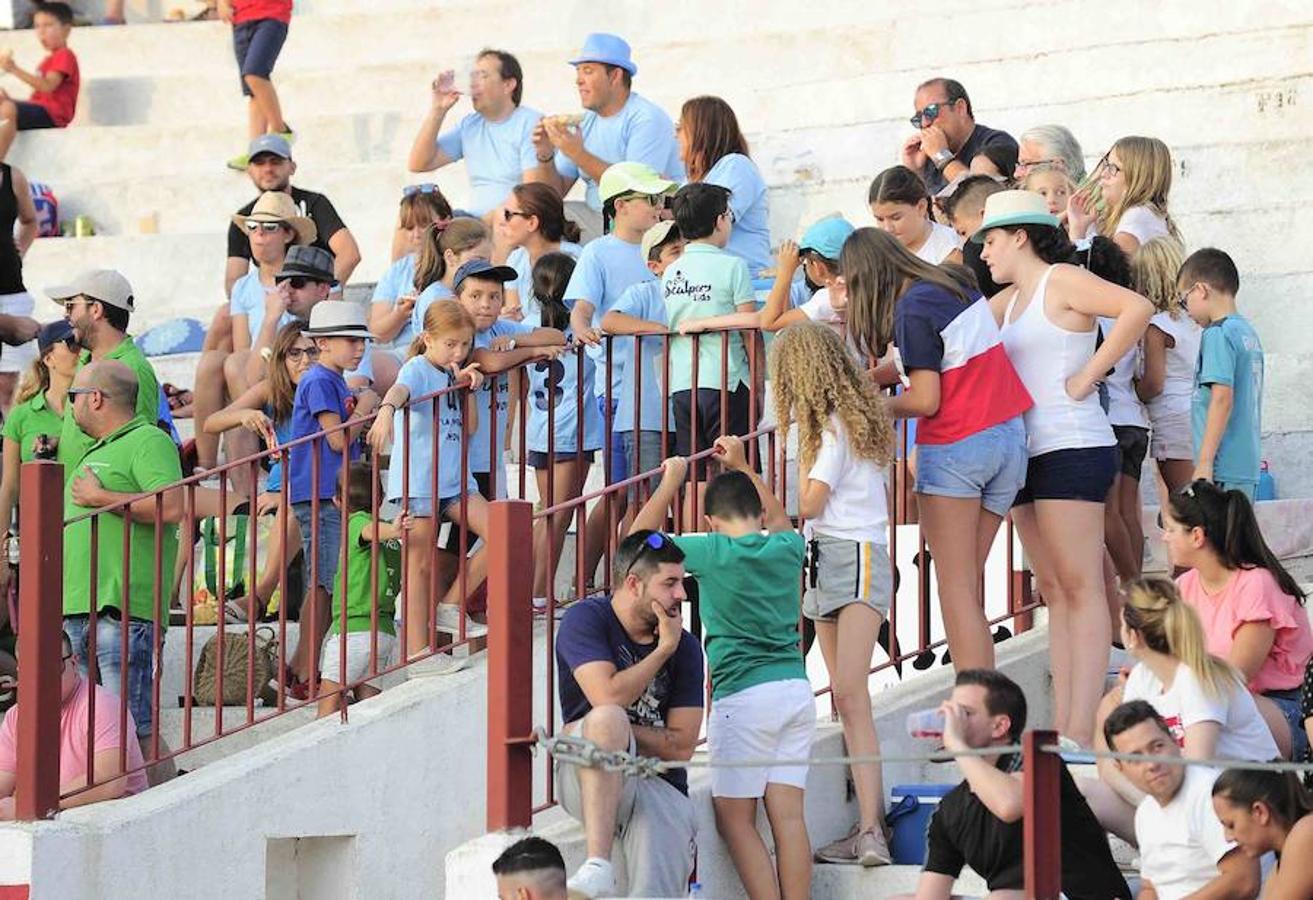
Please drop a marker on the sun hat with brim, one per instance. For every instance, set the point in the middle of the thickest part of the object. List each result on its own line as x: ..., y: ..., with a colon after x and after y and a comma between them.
x: 276, y: 206
x: 337, y: 318
x: 826, y: 237
x: 608, y: 49
x: 482, y: 268
x: 105, y: 285
x: 655, y: 237
x: 633, y: 178
x: 1014, y: 208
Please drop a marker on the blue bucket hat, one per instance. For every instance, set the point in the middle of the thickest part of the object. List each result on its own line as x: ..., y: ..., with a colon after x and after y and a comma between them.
x: 826, y: 237
x: 609, y: 49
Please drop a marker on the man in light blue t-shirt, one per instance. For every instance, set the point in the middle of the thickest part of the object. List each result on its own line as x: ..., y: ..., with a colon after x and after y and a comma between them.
x: 495, y: 140
x: 618, y: 126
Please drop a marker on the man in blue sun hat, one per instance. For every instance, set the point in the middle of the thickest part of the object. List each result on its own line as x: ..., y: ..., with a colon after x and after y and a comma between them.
x: 618, y: 125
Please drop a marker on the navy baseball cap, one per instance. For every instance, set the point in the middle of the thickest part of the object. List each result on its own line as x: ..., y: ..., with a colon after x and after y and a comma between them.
x: 52, y: 333
x: 485, y: 270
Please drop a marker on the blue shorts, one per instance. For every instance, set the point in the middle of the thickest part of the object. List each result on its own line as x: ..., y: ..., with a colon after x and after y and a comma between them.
x: 422, y: 507
x: 989, y: 464
x: 109, y: 660
x: 1078, y: 473
x: 619, y: 467
x: 329, y: 544
x: 1288, y: 703
x: 538, y: 459
x: 32, y: 116
x: 257, y: 45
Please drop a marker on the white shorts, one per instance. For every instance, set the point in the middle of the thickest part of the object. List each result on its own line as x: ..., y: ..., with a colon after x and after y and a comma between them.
x: 1172, y: 437
x: 358, y: 645
x: 17, y: 359
x: 774, y: 720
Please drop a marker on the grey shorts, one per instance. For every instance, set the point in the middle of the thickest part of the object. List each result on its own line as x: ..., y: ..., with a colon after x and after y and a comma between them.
x: 841, y: 571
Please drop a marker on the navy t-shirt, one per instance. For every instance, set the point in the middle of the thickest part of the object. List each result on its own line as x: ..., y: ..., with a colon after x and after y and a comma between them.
x: 591, y: 632
x: 981, y: 137
x: 319, y: 390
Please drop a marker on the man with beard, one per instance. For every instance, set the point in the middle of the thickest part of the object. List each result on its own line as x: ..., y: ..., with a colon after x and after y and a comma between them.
x: 631, y: 679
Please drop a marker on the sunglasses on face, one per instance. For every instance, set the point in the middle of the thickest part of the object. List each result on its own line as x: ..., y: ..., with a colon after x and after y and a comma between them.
x: 296, y: 353
x: 74, y: 393
x: 411, y: 190
x: 298, y: 282
x: 266, y: 227
x: 927, y: 115
x: 508, y: 214
x: 652, y: 199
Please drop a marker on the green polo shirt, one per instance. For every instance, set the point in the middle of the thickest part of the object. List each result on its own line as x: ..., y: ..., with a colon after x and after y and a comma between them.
x: 705, y: 281
x: 136, y: 458
x: 73, y: 441
x: 28, y: 420
x: 359, y: 580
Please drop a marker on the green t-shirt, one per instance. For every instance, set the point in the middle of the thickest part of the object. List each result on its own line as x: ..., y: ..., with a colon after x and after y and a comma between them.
x: 358, y: 579
x: 749, y: 594
x: 29, y: 419
x: 706, y: 281
x: 137, y: 458
x: 73, y: 441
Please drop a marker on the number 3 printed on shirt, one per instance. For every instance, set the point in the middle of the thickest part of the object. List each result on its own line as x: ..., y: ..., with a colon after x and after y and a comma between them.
x: 555, y: 370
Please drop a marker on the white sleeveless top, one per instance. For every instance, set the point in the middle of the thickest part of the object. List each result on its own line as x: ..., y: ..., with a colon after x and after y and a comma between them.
x: 1182, y: 359
x: 941, y: 242
x: 1045, y: 356
x: 1124, y: 406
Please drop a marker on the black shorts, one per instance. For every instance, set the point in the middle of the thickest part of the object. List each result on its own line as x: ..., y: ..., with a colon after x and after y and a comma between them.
x: 450, y: 543
x: 32, y: 116
x: 257, y: 45
x: 538, y: 460
x: 1133, y: 446
x: 688, y: 441
x: 1080, y: 473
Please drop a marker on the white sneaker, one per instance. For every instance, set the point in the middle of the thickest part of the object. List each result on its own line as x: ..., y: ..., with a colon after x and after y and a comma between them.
x: 449, y: 622
x: 435, y: 665
x: 595, y: 878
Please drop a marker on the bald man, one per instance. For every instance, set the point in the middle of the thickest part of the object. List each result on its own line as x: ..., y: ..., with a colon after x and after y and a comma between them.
x: 127, y: 456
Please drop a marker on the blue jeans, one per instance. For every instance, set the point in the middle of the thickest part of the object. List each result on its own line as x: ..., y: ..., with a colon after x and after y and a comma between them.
x: 109, y: 660
x: 989, y: 464
x: 329, y: 543
x: 1288, y: 703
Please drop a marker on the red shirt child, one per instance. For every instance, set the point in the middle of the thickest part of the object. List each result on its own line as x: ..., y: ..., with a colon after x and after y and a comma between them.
x: 56, y: 82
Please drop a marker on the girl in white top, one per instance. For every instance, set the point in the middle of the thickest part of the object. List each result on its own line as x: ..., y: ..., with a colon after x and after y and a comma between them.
x: 1171, y: 353
x: 901, y: 206
x: 845, y: 445
x: 1133, y: 180
x: 1204, y: 701
x: 1048, y: 321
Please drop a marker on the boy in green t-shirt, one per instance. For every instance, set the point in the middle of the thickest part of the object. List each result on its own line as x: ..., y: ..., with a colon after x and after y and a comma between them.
x: 749, y: 586
x: 364, y: 657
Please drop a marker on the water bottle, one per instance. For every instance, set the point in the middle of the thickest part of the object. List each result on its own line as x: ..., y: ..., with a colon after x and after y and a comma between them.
x: 1267, y: 485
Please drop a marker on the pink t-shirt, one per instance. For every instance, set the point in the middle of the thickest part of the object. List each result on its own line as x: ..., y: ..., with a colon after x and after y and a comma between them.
x: 73, y: 738
x: 1253, y: 595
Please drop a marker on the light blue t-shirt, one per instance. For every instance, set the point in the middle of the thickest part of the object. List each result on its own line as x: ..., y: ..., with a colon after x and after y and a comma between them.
x: 480, y: 458
x: 705, y: 282
x: 248, y: 300
x: 397, y: 281
x: 555, y: 383
x: 642, y: 301
x: 496, y: 154
x: 640, y: 132
x: 1231, y: 354
x: 523, y: 283
x: 750, y: 238
x: 422, y: 378
x: 435, y: 291
x: 606, y: 269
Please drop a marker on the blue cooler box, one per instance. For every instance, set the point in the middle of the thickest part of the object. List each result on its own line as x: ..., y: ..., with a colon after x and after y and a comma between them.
x: 909, y: 817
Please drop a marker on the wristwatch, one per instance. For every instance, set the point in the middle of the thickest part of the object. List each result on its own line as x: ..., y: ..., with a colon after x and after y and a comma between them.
x: 942, y: 158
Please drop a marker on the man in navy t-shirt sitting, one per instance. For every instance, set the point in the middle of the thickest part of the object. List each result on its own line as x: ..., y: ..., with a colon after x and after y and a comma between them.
x: 631, y: 678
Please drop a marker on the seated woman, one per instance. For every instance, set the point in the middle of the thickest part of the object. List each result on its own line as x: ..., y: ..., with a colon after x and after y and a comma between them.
x: 1202, y: 698
x: 1268, y: 812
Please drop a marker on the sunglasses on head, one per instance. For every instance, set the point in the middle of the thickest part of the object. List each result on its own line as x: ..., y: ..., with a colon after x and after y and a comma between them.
x: 653, y: 542
x: 267, y: 227
x: 411, y: 190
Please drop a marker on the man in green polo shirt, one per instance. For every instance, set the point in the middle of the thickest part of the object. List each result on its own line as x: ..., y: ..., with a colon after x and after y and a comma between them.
x: 98, y: 304
x: 126, y: 456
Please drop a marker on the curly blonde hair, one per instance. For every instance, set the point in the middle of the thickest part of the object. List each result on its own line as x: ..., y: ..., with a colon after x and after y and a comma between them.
x: 814, y: 377
x: 1154, y: 267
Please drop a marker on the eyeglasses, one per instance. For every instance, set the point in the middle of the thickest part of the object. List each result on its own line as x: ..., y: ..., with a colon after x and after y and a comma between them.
x: 1183, y: 297
x: 508, y: 214
x: 75, y: 392
x: 1023, y: 164
x: 732, y: 218
x: 1107, y: 168
x: 310, y: 353
x: 427, y: 187
x: 932, y: 111
x: 266, y: 227
x: 654, y: 541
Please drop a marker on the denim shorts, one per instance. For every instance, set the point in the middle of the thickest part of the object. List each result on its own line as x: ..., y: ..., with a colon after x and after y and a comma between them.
x: 256, y: 45
x: 1288, y: 703
x: 109, y: 660
x: 329, y: 544
x: 989, y: 464
x: 1077, y: 473
x: 619, y: 467
x: 643, y: 455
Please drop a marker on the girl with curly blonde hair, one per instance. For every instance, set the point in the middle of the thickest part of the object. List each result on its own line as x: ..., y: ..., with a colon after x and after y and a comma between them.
x: 845, y: 446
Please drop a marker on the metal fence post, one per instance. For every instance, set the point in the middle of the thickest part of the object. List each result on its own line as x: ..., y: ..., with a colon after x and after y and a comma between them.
x: 1043, y: 816
x: 40, y: 638
x: 510, y: 665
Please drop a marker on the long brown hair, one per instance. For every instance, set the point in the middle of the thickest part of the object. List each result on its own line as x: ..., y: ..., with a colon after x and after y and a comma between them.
x: 442, y: 317
x: 878, y: 270
x: 282, y: 390
x: 544, y: 203
x: 461, y: 234
x: 713, y: 131
x: 423, y: 207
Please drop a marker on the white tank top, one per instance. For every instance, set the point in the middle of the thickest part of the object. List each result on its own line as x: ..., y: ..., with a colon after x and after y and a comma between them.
x: 1124, y: 406
x: 1182, y: 359
x: 941, y: 242
x: 1045, y: 356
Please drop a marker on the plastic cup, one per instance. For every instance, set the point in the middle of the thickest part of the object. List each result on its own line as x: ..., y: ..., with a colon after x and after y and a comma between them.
x: 926, y: 724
